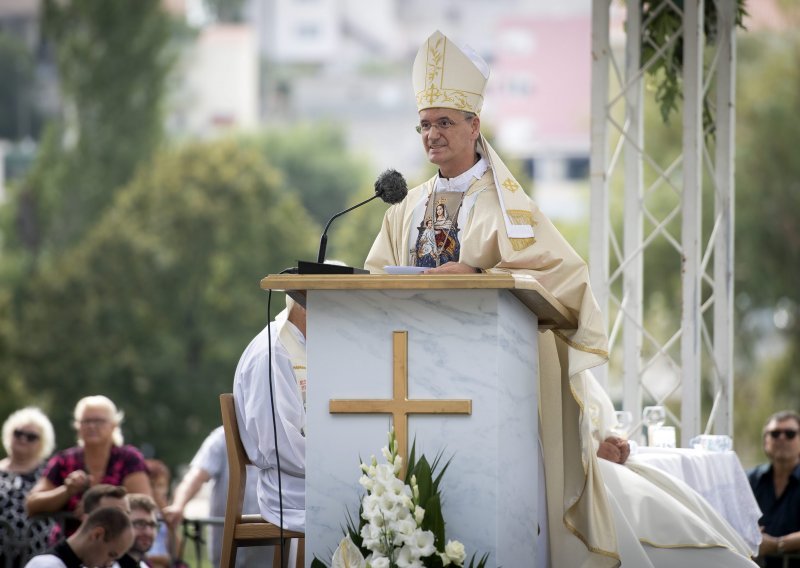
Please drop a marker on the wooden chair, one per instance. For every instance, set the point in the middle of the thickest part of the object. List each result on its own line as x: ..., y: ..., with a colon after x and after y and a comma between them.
x: 248, y: 530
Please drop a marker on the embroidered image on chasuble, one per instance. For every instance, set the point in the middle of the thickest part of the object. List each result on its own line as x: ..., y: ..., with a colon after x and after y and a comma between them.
x: 438, y: 240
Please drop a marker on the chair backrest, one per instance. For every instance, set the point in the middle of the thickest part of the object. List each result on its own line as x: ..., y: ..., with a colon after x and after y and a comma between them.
x: 237, y: 459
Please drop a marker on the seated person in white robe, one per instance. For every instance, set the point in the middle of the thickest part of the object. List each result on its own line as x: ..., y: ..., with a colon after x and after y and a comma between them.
x: 660, y: 521
x: 251, y: 393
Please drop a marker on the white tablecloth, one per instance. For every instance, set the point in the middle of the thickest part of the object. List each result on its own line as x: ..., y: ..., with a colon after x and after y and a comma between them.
x: 718, y: 477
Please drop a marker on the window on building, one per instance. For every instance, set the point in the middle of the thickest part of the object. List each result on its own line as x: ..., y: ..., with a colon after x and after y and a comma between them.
x: 577, y: 167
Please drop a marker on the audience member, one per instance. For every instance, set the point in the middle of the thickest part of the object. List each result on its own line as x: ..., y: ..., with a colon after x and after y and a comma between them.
x: 100, y: 540
x: 100, y: 496
x: 164, y: 550
x: 28, y: 440
x: 211, y: 463
x: 145, y: 527
x: 776, y: 486
x: 99, y: 457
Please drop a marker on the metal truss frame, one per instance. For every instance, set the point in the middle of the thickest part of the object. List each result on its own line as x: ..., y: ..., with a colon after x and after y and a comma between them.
x: 698, y: 352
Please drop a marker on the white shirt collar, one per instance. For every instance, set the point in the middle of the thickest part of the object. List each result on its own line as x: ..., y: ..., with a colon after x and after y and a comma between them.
x: 462, y: 182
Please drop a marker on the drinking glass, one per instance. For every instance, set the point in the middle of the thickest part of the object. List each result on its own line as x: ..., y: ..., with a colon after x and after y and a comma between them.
x: 623, y: 420
x: 653, y: 417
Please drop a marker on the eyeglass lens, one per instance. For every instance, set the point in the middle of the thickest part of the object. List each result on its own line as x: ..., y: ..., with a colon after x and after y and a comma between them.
x: 142, y: 524
x: 27, y: 436
x: 790, y: 434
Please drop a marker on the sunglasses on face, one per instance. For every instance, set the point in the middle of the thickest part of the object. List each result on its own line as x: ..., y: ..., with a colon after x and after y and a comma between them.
x: 775, y: 434
x: 27, y: 436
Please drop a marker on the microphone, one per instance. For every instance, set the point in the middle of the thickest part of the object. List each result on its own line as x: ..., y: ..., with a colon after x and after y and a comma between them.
x: 390, y: 186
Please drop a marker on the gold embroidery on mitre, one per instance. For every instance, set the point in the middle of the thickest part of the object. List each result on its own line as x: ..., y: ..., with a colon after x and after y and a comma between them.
x: 433, y: 92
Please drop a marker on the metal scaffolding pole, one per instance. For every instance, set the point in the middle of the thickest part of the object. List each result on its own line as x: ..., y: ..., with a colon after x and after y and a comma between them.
x: 633, y: 272
x: 724, y: 204
x: 599, y: 219
x: 691, y: 228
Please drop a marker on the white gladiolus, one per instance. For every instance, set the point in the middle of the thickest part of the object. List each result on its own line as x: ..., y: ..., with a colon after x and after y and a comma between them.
x: 392, y: 521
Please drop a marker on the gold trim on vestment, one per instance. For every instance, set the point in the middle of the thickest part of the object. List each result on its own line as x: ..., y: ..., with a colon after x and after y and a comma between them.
x: 520, y: 244
x: 580, y: 347
x: 521, y: 217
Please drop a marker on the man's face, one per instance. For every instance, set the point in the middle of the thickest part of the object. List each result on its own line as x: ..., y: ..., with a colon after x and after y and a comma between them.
x: 451, y: 148
x: 102, y: 553
x: 782, y: 447
x: 145, y: 526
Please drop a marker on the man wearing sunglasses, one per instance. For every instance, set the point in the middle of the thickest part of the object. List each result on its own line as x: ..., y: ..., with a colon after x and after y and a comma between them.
x: 776, y: 486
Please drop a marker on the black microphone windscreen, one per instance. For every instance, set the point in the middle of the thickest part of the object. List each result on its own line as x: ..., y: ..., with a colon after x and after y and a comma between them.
x: 391, y: 187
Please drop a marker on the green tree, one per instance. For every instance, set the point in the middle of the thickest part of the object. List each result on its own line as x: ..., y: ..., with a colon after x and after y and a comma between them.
x: 767, y: 234
x: 316, y: 166
x: 113, y: 60
x: 155, y: 305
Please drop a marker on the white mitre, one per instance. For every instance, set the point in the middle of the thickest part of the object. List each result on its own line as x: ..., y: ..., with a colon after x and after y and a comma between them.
x: 447, y: 75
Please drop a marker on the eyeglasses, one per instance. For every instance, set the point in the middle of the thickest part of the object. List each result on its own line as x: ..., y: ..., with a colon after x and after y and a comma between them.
x: 93, y: 421
x: 27, y: 436
x: 775, y: 434
x: 441, y: 124
x: 142, y: 524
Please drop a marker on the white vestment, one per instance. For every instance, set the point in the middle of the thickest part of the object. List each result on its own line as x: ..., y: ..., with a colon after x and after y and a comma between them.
x: 251, y: 391
x: 660, y: 521
x: 580, y: 522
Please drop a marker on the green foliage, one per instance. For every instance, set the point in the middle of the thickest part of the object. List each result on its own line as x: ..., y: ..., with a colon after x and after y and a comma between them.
x: 316, y: 166
x: 113, y: 60
x: 767, y: 234
x: 664, y: 24
x: 155, y: 305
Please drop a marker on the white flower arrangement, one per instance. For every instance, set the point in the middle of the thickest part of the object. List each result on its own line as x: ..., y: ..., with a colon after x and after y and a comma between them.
x: 400, y: 524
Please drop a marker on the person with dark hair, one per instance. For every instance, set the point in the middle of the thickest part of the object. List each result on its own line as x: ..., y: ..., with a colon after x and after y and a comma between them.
x: 102, y: 495
x: 145, y: 526
x: 101, y: 539
x: 776, y: 486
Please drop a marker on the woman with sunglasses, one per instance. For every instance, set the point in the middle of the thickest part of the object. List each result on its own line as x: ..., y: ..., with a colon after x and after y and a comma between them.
x: 99, y: 457
x: 28, y: 439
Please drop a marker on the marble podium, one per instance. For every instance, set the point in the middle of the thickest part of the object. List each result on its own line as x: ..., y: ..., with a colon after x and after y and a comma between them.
x: 417, y: 345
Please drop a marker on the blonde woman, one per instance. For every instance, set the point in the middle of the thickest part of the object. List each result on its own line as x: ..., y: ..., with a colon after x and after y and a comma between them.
x: 99, y: 457
x: 28, y: 440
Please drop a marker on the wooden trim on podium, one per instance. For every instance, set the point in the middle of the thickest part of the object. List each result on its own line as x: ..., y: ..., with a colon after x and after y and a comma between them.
x: 551, y: 313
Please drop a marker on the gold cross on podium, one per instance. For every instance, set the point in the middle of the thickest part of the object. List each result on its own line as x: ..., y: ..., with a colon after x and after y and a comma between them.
x: 399, y: 406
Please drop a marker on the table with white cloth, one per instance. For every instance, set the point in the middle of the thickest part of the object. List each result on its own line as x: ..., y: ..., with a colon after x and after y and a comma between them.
x: 718, y: 477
